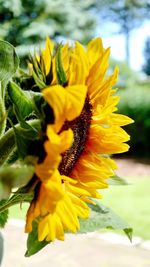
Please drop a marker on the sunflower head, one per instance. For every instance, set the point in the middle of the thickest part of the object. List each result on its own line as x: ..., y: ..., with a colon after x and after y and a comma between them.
x: 85, y: 130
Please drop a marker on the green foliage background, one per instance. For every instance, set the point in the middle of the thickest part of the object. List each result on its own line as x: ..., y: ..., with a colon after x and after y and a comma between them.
x: 134, y: 91
x: 135, y: 103
x: 26, y: 23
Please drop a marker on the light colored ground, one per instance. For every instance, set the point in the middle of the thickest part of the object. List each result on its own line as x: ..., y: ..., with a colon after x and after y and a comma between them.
x: 133, y: 167
x: 77, y: 251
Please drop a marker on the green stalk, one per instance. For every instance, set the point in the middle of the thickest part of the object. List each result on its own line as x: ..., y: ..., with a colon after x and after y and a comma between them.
x: 2, y: 108
x: 16, y: 200
x: 23, y: 194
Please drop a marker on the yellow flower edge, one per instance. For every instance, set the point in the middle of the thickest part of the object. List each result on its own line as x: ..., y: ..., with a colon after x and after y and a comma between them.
x: 85, y: 132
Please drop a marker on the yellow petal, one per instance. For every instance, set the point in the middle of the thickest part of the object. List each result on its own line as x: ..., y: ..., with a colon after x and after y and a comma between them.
x: 75, y: 100
x: 121, y: 120
x: 102, y: 91
x: 107, y: 140
x: 43, y: 229
x: 57, y: 98
x: 76, y: 70
x: 95, y: 50
x: 66, y: 140
x: 80, y: 51
x: 47, y: 54
x: 65, y: 54
x: 97, y: 71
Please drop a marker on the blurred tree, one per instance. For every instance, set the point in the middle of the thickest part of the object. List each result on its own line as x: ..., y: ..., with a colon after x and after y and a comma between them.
x: 27, y: 22
x: 128, y: 14
x: 146, y: 67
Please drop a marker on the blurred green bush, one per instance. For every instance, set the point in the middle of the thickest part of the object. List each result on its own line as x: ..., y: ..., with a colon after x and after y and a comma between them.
x: 135, y: 103
x: 127, y: 76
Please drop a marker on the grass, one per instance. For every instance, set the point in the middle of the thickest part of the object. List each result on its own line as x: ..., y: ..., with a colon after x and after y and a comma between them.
x: 131, y: 202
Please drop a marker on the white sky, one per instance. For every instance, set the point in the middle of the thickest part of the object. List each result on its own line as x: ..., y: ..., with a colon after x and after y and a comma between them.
x: 117, y: 44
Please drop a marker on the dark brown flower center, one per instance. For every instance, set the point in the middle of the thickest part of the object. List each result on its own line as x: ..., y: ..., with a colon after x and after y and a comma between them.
x: 80, y: 127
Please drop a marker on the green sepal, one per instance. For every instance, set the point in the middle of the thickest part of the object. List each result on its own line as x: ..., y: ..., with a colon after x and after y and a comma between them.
x: 39, y: 102
x: 38, y: 81
x: 3, y: 215
x: 61, y: 75
x: 33, y: 245
x: 42, y: 109
x: 102, y: 217
x: 37, y: 73
x: 29, y: 132
x: 21, y: 101
x: 38, y: 68
x: 116, y: 180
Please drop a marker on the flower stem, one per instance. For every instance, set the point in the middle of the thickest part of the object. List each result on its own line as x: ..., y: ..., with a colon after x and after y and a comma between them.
x: 2, y: 109
x: 16, y: 199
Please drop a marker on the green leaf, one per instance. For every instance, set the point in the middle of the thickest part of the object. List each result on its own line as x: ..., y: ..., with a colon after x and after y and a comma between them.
x: 61, y: 75
x: 21, y: 143
x: 24, y: 136
x: 9, y: 63
x: 33, y: 245
x: 13, y: 157
x: 9, y: 60
x: 102, y: 217
x: 21, y: 101
x: 116, y: 180
x: 7, y: 142
x: 14, y: 176
x: 3, y: 215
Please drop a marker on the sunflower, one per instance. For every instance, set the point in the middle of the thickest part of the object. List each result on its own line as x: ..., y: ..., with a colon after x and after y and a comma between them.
x: 86, y: 130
